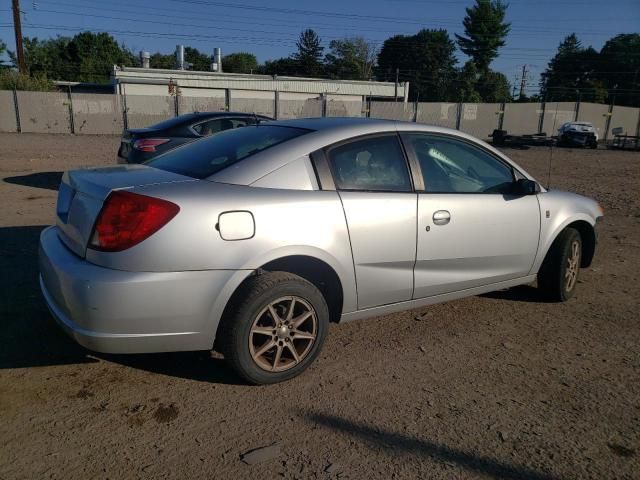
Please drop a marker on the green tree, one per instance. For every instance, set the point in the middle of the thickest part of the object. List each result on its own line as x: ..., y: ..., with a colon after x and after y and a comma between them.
x: 493, y: 87
x: 425, y: 59
x: 463, y: 89
x: 87, y: 57
x: 162, y: 61
x: 93, y: 55
x: 200, y: 62
x: 44, y: 57
x: 12, y: 80
x: 240, y: 62
x: 350, y: 59
x: 3, y: 49
x: 281, y: 66
x: 309, y: 54
x: 572, y: 73
x: 485, y: 31
x: 619, y: 68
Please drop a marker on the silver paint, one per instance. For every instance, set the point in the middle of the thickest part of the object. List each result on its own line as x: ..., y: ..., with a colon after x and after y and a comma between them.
x: 390, y: 251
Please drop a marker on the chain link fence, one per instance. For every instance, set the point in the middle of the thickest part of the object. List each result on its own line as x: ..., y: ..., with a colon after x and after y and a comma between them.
x: 83, y: 113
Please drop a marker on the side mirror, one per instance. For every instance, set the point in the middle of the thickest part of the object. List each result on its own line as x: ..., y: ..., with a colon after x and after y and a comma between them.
x: 524, y: 186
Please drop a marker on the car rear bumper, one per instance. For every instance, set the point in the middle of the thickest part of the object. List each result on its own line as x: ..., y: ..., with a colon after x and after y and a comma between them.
x: 115, y: 311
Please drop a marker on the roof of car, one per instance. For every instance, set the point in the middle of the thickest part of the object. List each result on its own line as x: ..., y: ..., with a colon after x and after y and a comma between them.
x: 219, y: 114
x: 326, y: 123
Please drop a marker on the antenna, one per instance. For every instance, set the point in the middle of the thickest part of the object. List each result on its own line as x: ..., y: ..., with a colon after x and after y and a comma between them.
x: 555, y: 117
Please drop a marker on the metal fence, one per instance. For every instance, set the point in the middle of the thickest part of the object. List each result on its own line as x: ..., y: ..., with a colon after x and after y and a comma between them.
x: 82, y: 113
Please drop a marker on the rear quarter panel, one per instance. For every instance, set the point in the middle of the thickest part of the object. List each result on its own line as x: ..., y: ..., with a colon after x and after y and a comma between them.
x: 287, y: 222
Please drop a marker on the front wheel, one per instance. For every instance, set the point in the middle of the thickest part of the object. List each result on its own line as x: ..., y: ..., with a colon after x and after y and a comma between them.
x: 558, y: 275
x: 274, y: 327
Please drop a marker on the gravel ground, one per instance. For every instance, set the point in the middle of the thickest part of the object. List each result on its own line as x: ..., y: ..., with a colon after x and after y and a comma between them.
x: 496, y: 386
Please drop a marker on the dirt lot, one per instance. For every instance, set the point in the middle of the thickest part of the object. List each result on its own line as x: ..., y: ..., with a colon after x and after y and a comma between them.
x: 496, y: 386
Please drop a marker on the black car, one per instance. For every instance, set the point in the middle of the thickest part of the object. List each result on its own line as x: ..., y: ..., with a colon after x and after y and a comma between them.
x: 141, y: 144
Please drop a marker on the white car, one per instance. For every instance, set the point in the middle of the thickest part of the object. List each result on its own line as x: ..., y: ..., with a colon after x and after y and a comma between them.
x: 579, y: 134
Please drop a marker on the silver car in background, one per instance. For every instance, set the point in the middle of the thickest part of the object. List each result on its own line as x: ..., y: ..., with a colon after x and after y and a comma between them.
x: 253, y: 240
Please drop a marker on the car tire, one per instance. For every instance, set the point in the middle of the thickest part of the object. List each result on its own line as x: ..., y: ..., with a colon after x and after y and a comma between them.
x: 249, y: 327
x: 558, y: 275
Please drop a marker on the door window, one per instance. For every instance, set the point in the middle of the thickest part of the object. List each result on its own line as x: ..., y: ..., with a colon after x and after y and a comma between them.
x: 454, y: 166
x: 370, y: 164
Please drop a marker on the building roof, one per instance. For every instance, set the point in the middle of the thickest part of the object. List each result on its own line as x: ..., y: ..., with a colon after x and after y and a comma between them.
x: 237, y: 81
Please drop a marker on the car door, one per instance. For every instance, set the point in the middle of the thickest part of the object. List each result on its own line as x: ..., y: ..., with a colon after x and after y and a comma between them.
x: 472, y: 231
x: 374, y: 184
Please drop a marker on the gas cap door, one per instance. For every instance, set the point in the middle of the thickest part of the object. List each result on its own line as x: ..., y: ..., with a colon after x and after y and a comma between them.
x: 238, y: 225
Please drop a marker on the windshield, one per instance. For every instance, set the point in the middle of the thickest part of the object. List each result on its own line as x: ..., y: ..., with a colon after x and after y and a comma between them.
x: 210, y: 155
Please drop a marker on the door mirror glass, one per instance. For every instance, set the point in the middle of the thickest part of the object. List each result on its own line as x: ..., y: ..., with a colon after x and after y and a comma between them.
x: 524, y: 186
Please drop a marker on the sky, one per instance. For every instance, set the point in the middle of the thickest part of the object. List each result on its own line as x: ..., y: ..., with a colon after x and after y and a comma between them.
x: 270, y: 29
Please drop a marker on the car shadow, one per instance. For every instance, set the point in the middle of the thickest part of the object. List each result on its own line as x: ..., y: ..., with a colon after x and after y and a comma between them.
x: 30, y: 336
x: 197, y: 366
x: 46, y: 180
x: 401, y: 443
x: 521, y: 293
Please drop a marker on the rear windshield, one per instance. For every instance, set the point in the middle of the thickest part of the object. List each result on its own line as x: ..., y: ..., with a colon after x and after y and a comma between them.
x: 210, y: 155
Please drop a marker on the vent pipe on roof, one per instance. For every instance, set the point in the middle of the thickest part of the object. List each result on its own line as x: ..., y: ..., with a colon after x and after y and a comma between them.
x: 180, y: 57
x: 216, y: 60
x: 144, y: 59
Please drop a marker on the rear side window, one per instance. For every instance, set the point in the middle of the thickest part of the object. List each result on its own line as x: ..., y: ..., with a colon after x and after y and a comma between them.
x: 370, y: 164
x: 218, y: 125
x: 205, y: 157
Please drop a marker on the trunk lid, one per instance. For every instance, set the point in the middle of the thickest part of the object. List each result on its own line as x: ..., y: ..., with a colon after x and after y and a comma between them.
x: 82, y: 193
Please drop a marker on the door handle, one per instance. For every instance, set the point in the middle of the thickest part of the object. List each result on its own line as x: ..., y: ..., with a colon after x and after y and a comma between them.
x: 441, y: 217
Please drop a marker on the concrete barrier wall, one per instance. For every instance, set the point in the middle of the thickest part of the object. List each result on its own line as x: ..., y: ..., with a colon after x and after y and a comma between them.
x: 261, y: 103
x: 311, y: 107
x: 145, y: 110
x: 480, y: 119
x: 97, y: 114
x: 49, y: 112
x: 440, y: 114
x: 7, y: 112
x: 522, y: 118
x: 626, y: 118
x: 392, y: 111
x: 44, y: 112
x: 556, y: 114
x: 344, y: 108
x: 201, y: 104
x: 596, y: 114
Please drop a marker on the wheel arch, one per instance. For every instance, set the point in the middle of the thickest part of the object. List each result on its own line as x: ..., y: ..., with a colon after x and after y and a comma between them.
x: 586, y: 229
x: 588, y: 235
x: 313, y: 268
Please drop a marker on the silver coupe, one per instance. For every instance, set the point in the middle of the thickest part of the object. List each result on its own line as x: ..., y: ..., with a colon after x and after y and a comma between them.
x: 254, y: 240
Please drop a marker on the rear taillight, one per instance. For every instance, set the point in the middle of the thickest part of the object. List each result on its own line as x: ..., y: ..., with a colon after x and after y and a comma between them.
x: 126, y: 219
x: 149, y: 144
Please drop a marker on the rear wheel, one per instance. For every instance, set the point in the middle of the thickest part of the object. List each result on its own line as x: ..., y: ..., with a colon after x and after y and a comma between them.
x: 558, y: 275
x: 274, y: 328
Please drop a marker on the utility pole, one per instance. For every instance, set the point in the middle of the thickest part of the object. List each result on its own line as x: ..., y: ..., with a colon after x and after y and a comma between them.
x: 396, y: 94
x: 523, y: 80
x: 22, y: 67
x: 513, y: 92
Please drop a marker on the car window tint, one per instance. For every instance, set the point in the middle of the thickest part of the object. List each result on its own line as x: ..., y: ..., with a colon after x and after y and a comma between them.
x: 376, y: 163
x: 455, y: 166
x: 210, y: 155
x: 219, y: 124
x: 214, y: 125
